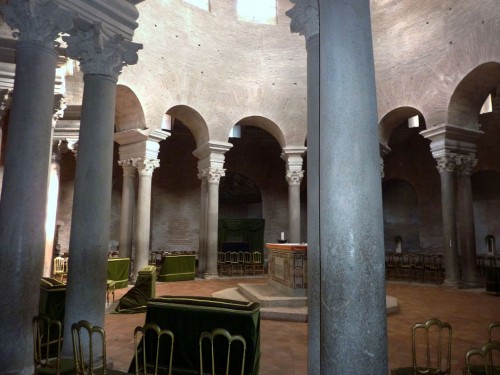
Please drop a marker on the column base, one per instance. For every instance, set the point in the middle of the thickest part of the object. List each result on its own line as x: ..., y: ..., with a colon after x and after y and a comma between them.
x: 209, y: 276
x: 471, y: 284
x: 452, y: 283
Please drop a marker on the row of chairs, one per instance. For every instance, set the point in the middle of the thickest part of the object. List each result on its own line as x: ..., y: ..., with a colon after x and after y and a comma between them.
x: 238, y: 263
x: 147, y: 339
x: 431, y: 351
x: 414, y: 267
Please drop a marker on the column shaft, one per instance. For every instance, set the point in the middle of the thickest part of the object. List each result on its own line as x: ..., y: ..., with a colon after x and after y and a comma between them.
x: 143, y: 223
x: 202, y: 252
x: 87, y: 272
x: 467, y: 232
x: 450, y: 252
x: 24, y: 201
x: 127, y: 213
x: 313, y: 207
x: 353, y: 312
x: 212, y: 228
x: 294, y: 212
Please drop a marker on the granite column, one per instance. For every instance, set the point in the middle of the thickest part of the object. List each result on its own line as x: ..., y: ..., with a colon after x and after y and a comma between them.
x: 24, y: 189
x: 202, y: 251
x: 353, y: 311
x: 101, y: 59
x: 128, y: 206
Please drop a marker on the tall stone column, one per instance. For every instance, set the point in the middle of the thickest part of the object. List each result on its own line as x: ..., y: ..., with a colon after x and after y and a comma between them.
x: 202, y: 251
x: 212, y: 177
x: 305, y: 21
x: 145, y: 167
x: 24, y: 191
x: 446, y: 166
x: 102, y: 56
x: 353, y: 312
x: 210, y: 169
x: 467, y: 234
x: 294, y: 175
x: 128, y: 207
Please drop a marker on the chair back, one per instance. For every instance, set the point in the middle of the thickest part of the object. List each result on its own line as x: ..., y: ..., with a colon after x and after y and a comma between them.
x: 493, y: 329
x: 484, y: 360
x: 220, y: 343
x: 147, y: 342
x: 257, y: 257
x: 431, y: 346
x: 60, y: 267
x: 47, y: 340
x: 91, y: 357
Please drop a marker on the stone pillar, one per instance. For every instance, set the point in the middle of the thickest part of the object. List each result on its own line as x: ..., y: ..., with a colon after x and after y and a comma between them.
x: 102, y: 56
x: 353, y: 312
x: 202, y: 251
x: 452, y: 145
x: 210, y: 168
x: 446, y: 165
x: 5, y: 100
x: 128, y: 207
x: 467, y: 234
x: 294, y: 175
x: 24, y: 192
x: 305, y: 21
x: 145, y: 167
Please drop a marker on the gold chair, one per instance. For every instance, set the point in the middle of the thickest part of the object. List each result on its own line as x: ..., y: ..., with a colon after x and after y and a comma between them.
x: 146, y: 359
x: 236, y: 263
x: 247, y: 263
x: 404, y: 267
x: 47, y: 340
x: 86, y: 361
x: 493, y: 328
x: 433, y: 355
x: 220, y: 363
x: 60, y: 269
x: 484, y: 360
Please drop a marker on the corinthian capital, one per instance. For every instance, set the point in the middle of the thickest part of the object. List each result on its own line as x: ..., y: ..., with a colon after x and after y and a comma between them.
x: 100, y: 53
x: 5, y: 100
x: 466, y: 164
x: 211, y: 175
x: 294, y: 177
x: 37, y: 20
x: 305, y: 17
x: 128, y: 167
x: 145, y: 167
x: 59, y: 107
x: 448, y: 162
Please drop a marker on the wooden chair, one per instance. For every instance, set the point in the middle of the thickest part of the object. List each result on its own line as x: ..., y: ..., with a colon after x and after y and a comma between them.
x: 433, y: 268
x: 60, y: 269
x: 417, y: 265
x: 391, y: 263
x: 247, y: 263
x: 432, y: 355
x: 91, y: 360
x: 225, y: 263
x: 404, y: 267
x: 147, y: 342
x: 221, y: 360
x: 236, y: 263
x: 484, y: 360
x: 47, y: 340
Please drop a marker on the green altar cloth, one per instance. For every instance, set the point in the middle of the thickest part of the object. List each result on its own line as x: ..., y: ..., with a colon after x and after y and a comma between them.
x: 52, y: 298
x: 118, y: 270
x: 136, y: 299
x: 177, y: 268
x: 188, y: 317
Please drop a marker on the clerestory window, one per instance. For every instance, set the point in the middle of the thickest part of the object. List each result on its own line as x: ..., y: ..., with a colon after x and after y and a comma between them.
x: 202, y: 4
x: 257, y: 11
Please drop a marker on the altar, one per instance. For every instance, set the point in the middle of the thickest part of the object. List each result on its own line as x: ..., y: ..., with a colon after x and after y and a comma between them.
x: 288, y: 268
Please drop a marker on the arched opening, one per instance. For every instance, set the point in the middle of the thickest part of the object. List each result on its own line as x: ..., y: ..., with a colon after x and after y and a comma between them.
x: 490, y: 245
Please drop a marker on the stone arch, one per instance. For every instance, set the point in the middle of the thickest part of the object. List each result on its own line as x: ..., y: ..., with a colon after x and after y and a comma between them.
x: 129, y: 113
x: 193, y: 120
x: 471, y: 92
x: 395, y: 118
x: 267, y: 125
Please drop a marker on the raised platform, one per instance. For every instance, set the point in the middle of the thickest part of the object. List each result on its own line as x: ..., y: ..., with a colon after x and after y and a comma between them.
x: 275, y: 305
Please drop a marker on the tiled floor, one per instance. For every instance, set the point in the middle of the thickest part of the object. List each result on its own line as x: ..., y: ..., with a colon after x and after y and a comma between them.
x: 284, y: 344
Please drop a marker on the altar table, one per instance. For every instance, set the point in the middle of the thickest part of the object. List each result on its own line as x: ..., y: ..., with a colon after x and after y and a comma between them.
x: 118, y: 271
x: 288, y: 268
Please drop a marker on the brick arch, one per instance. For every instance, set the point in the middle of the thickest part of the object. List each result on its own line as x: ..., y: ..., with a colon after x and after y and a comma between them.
x: 129, y: 113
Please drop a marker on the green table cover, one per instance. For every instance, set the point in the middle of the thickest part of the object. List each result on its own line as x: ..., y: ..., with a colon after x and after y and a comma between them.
x: 188, y: 317
x: 118, y: 270
x: 52, y: 298
x: 177, y: 268
x: 136, y: 299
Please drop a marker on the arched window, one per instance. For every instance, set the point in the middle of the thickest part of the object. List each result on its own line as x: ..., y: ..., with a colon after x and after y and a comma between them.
x: 398, y: 240
x: 490, y: 244
x: 257, y: 11
x: 202, y: 4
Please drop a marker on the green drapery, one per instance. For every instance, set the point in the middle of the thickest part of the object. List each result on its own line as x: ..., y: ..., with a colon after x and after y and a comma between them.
x: 244, y: 230
x: 188, y: 317
x: 177, y: 268
x: 136, y: 299
x: 118, y: 270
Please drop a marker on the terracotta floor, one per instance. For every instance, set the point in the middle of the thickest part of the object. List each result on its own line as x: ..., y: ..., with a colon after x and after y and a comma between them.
x: 284, y: 344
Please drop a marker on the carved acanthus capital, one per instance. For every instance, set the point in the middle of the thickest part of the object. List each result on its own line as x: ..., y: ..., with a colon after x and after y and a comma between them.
x: 37, y: 20
x: 128, y: 167
x: 211, y: 175
x: 294, y: 177
x: 145, y: 167
x: 305, y: 17
x: 100, y: 53
x: 466, y: 164
x: 59, y: 107
x: 448, y: 162
x: 5, y: 100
